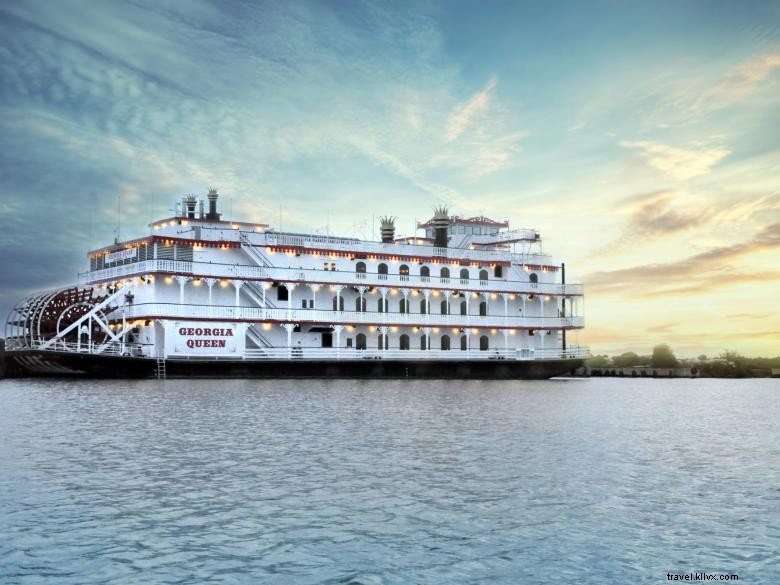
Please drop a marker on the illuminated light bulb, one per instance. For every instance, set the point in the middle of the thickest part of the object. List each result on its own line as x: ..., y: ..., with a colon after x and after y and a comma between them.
x: 475, y: 331
x: 435, y: 329
x: 266, y: 326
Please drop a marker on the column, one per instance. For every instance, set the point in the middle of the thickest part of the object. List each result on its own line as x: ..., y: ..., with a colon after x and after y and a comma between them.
x: 210, y: 282
x: 237, y: 284
x: 337, y: 329
x: 361, y: 291
x: 181, y: 280
x: 290, y: 286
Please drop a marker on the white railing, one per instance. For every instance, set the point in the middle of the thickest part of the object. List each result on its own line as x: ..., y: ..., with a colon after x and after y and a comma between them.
x: 103, y: 348
x: 361, y: 247
x: 177, y: 311
x: 327, y: 277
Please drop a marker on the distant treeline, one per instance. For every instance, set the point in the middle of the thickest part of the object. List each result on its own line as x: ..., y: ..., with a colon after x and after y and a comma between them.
x: 728, y: 364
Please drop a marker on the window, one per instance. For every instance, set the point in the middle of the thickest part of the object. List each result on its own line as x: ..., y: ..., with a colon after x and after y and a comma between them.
x: 483, y: 274
x: 464, y: 273
x: 425, y: 271
x: 463, y: 308
x: 382, y: 342
x: 464, y: 343
x: 360, y: 341
x: 404, y: 341
x: 498, y: 272
x: 325, y: 266
x: 445, y: 342
x: 303, y: 303
x: 484, y: 344
x: 382, y: 268
x: 360, y: 267
x: 445, y: 272
x: 403, y: 270
x: 360, y: 304
x: 444, y: 307
x: 483, y: 308
x: 282, y: 294
x: 403, y: 306
x: 340, y: 303
x: 423, y: 342
x: 333, y: 266
x: 381, y: 305
x: 349, y: 342
x: 533, y: 277
x: 423, y: 307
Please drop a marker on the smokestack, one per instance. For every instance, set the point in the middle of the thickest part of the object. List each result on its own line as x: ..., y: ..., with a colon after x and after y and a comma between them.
x: 213, y: 196
x: 388, y: 229
x: 441, y: 223
x: 191, y: 201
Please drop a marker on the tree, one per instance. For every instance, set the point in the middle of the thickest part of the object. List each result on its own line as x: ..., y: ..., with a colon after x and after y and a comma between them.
x: 597, y: 361
x: 626, y: 360
x: 702, y: 358
x: 663, y: 357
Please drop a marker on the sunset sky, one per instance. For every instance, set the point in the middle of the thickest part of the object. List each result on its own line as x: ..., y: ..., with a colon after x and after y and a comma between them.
x: 641, y: 139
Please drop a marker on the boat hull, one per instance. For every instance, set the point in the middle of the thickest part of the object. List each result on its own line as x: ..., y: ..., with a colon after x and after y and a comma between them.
x: 60, y: 364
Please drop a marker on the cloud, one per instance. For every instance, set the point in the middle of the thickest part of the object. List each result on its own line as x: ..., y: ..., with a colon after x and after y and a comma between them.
x: 679, y: 163
x: 462, y: 117
x: 695, y: 274
x: 737, y: 83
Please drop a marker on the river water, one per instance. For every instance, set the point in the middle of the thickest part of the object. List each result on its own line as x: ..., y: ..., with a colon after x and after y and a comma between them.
x: 588, y: 481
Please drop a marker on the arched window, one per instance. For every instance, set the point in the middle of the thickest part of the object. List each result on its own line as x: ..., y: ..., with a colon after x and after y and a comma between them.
x: 423, y: 342
x: 380, y: 342
x: 282, y: 294
x: 404, y: 341
x: 484, y: 344
x: 444, y: 307
x: 341, y: 303
x: 360, y: 341
x: 464, y: 273
x: 403, y: 270
x: 464, y: 342
x: 425, y: 271
x: 381, y: 305
x: 463, y: 308
x: 423, y: 307
x: 483, y: 308
x: 360, y: 267
x: 403, y: 306
x: 445, y: 342
x: 382, y: 270
x: 483, y: 274
x: 533, y: 277
x: 445, y: 272
x: 360, y: 304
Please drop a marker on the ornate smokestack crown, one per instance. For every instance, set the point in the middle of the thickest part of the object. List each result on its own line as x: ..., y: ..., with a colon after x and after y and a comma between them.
x: 441, y: 224
x: 387, y: 229
x: 213, y: 196
x: 191, y: 201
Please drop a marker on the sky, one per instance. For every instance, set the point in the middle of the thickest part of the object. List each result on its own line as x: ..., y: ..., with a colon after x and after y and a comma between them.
x: 641, y: 139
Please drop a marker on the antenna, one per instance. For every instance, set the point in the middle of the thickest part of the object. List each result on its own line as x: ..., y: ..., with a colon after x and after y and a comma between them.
x: 118, y: 215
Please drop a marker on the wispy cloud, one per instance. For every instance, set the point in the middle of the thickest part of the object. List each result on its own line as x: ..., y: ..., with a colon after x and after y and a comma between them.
x: 465, y: 113
x: 737, y: 83
x: 695, y: 274
x: 678, y: 163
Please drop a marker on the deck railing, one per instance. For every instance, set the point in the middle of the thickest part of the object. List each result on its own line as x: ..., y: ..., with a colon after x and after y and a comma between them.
x: 312, y: 276
x: 254, y: 314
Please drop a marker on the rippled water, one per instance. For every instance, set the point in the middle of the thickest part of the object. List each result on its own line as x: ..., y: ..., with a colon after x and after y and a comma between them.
x: 594, y: 481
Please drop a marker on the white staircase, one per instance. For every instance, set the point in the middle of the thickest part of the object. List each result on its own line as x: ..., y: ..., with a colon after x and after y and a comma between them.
x: 254, y: 252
